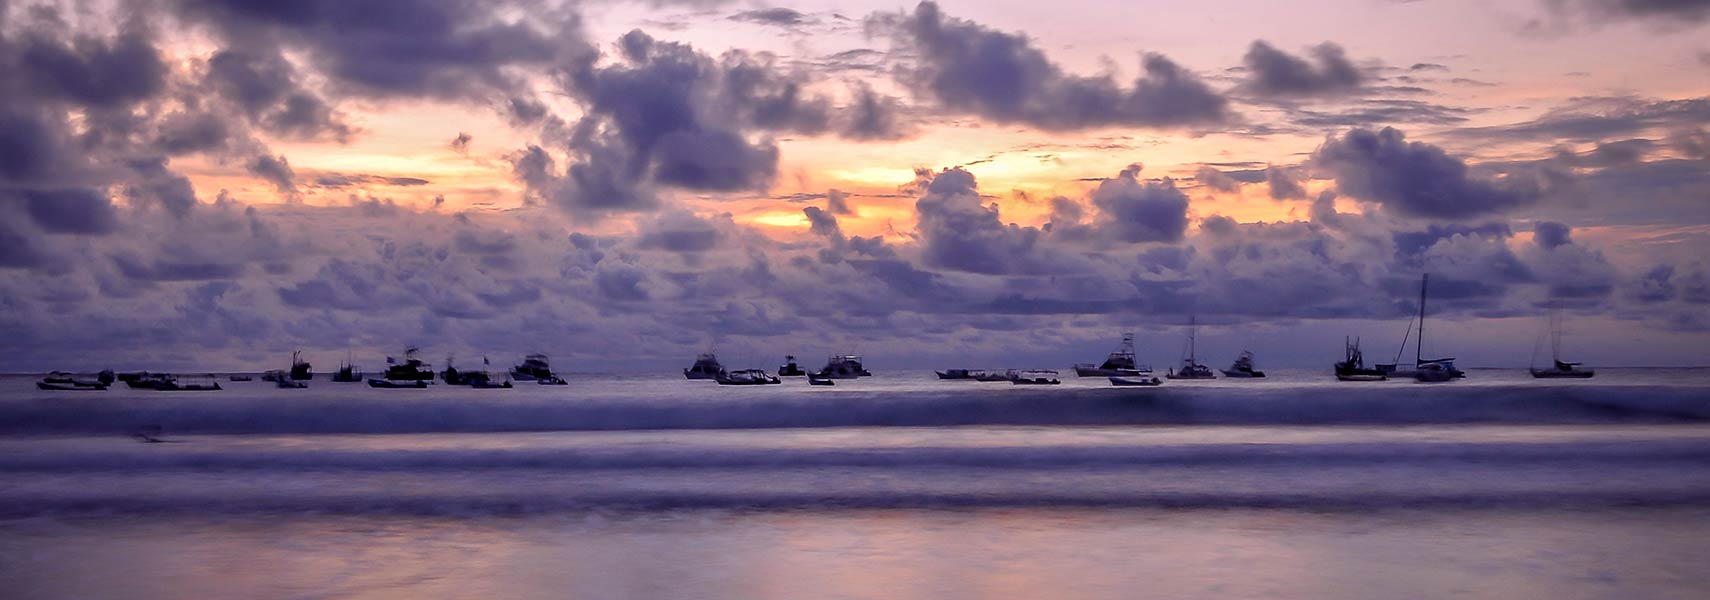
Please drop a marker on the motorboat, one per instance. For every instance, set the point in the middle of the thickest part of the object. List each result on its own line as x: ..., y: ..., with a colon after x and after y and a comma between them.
x: 817, y: 379
x: 1191, y: 367
x: 144, y: 380
x: 844, y: 366
x: 1036, y: 377
x: 1135, y: 381
x: 240, y: 377
x: 1243, y: 367
x: 997, y: 375
x: 62, y: 378
x: 411, y: 369
x: 452, y: 376
x: 1120, y: 363
x: 746, y: 377
x: 1559, y: 369
x: 706, y: 367
x: 1353, y: 365
x: 391, y: 384
x: 968, y: 374
x: 536, y: 368
x: 300, y: 370
x: 46, y: 385
x: 205, y: 383
x: 790, y: 368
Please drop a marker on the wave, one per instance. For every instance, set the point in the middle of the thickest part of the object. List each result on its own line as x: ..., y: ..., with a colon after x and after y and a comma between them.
x: 1397, y: 404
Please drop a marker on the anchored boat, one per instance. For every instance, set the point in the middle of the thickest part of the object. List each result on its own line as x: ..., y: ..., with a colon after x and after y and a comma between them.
x: 1191, y: 367
x: 1560, y: 369
x: 1353, y: 365
x: 1120, y: 363
x: 1243, y: 367
x: 706, y: 367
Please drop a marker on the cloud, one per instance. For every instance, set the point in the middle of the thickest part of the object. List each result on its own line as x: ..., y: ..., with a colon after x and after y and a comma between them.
x: 1275, y: 73
x: 780, y: 16
x: 1415, y: 178
x: 1598, y: 118
x: 1284, y: 183
x: 958, y: 232
x: 88, y: 70
x: 83, y: 211
x: 1550, y: 235
x: 460, y: 144
x: 968, y: 68
x: 275, y: 170
x: 1677, y: 11
x: 1135, y: 211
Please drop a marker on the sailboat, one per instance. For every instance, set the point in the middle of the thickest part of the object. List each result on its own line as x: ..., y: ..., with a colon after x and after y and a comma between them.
x: 1191, y: 367
x: 1119, y: 364
x: 1561, y: 369
x: 1434, y: 369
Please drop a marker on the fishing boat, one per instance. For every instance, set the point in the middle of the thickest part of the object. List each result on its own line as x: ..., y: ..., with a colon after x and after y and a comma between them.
x: 1243, y: 367
x: 144, y: 380
x: 451, y: 376
x: 391, y: 384
x: 1119, y: 364
x: 1191, y: 367
x: 844, y: 366
x: 790, y: 368
x: 1559, y: 369
x: 1036, y: 377
x: 476, y: 379
x: 817, y: 379
x: 1353, y: 365
x: 411, y: 369
x: 536, y: 368
x: 706, y: 367
x: 746, y: 377
x: 1135, y: 381
x: 1430, y: 370
x: 347, y: 372
x: 300, y: 368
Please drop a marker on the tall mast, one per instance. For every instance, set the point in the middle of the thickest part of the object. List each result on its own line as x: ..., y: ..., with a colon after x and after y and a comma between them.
x: 1419, y: 345
x: 1192, y: 337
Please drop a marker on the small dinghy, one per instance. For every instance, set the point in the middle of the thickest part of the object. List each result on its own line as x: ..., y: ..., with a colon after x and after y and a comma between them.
x: 817, y: 379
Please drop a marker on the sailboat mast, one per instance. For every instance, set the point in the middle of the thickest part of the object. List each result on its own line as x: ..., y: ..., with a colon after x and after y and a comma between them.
x: 1192, y: 338
x: 1419, y: 344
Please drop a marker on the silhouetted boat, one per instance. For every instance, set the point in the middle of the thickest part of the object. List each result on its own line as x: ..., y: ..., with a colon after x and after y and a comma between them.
x: 997, y: 375
x: 300, y: 368
x: 452, y: 376
x: 475, y: 379
x: 536, y: 368
x: 347, y: 372
x: 790, y: 368
x: 1560, y: 369
x: 1430, y: 370
x: 817, y: 379
x: 240, y: 377
x: 1191, y: 367
x: 844, y: 366
x: 287, y: 382
x: 62, y: 378
x: 1353, y: 365
x: 1243, y: 367
x: 181, y: 383
x: 1036, y: 377
x: 706, y: 367
x: 398, y: 384
x: 746, y: 377
x: 45, y: 385
x: 1135, y: 381
x: 412, y: 369
x: 1120, y: 363
x: 969, y: 374
x: 144, y: 380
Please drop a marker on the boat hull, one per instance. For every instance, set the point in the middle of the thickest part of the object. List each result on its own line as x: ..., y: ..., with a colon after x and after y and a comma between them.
x: 1085, y: 371
x: 1557, y: 374
x: 386, y: 384
x: 1242, y: 374
x: 68, y: 387
x: 1136, y: 381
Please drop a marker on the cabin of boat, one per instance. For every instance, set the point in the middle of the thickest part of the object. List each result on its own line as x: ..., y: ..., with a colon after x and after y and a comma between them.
x: 1120, y: 363
x: 790, y: 368
x: 412, y: 369
x: 534, y: 367
x: 1036, y: 377
x: 746, y: 377
x: 706, y: 367
x: 1243, y: 367
x: 845, y: 366
x: 1353, y: 366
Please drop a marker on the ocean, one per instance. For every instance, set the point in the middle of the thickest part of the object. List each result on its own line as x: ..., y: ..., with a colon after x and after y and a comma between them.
x: 895, y: 486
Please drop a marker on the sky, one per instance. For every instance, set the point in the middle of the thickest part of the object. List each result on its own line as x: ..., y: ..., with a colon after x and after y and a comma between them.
x: 192, y: 184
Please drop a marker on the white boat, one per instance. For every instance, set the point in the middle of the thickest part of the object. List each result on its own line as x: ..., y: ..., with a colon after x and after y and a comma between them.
x: 746, y: 377
x: 1191, y: 367
x: 1120, y: 363
x: 844, y: 366
x: 1036, y: 377
x: 1135, y: 381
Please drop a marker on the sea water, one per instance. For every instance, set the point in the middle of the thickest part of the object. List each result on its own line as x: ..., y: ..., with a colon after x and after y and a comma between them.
x: 895, y: 486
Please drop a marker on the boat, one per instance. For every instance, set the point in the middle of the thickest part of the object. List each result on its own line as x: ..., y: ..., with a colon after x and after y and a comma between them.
x: 817, y: 379
x: 240, y: 377
x: 1353, y: 365
x: 347, y: 372
x: 706, y: 367
x: 969, y: 374
x: 144, y: 380
x: 1559, y: 369
x: 536, y: 368
x: 1120, y: 363
x: 1036, y: 377
x: 790, y: 368
x: 173, y: 383
x: 288, y: 383
x: 997, y: 375
x: 300, y: 368
x: 451, y: 376
x: 1243, y: 367
x: 1439, y: 367
x: 412, y: 369
x: 746, y: 377
x: 62, y: 378
x: 474, y: 379
x: 1135, y: 381
x: 1191, y: 367
x: 391, y: 384
x: 50, y: 386
x: 844, y: 366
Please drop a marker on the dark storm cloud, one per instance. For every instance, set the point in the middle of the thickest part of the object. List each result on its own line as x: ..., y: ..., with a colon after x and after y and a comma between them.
x: 1136, y: 211
x: 873, y: 116
x: 140, y: 268
x: 680, y: 232
x: 456, y: 49
x: 1415, y: 178
x: 88, y: 70
x: 1275, y: 73
x: 268, y: 92
x: 77, y: 210
x: 967, y: 67
x: 1410, y: 244
x: 1549, y: 234
x: 157, y: 185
